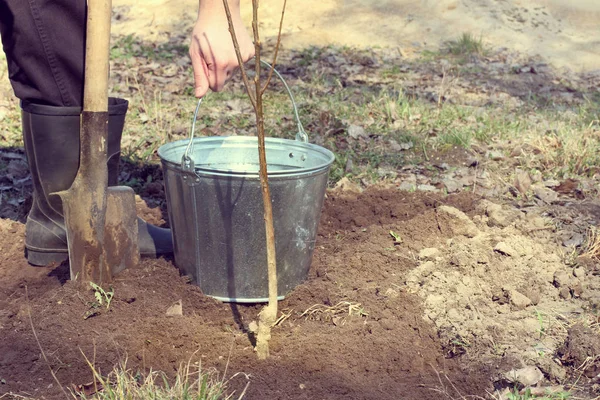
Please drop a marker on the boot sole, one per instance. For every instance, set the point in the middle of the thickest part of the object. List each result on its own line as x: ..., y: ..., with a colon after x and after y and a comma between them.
x: 43, y: 259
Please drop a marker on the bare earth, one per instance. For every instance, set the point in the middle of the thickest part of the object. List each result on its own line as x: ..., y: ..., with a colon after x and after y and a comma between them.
x: 561, y: 31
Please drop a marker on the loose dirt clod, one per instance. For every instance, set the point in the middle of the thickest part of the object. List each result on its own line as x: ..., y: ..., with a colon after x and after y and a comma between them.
x: 460, y: 223
x: 528, y: 376
x: 581, y: 350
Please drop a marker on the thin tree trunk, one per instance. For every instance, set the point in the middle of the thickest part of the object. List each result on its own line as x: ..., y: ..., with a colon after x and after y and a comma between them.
x: 268, y: 314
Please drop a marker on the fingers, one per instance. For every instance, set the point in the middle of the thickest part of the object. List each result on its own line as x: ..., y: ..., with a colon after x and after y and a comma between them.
x: 201, y: 73
x: 214, y: 59
x: 217, y: 76
x: 219, y: 73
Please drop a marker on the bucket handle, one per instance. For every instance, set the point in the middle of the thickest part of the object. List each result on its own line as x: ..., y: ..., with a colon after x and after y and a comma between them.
x: 186, y: 161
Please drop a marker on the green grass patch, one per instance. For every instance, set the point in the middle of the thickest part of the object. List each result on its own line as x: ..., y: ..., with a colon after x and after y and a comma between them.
x: 527, y: 394
x: 401, y: 124
x: 467, y: 45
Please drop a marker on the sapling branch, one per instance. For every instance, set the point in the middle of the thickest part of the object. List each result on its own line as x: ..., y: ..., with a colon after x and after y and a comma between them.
x: 276, y: 49
x: 238, y: 54
x: 268, y: 315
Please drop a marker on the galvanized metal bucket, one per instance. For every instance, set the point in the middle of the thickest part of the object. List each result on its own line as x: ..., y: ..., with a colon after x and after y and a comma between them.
x: 215, y: 208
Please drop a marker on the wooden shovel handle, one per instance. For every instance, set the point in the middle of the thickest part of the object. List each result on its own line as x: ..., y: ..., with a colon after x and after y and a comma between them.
x: 95, y: 92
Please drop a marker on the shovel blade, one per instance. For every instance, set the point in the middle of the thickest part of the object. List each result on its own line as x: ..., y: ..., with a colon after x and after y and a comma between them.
x: 121, y: 229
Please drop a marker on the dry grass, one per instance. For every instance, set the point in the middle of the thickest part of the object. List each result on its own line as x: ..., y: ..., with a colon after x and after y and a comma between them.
x: 592, y: 243
x: 448, y: 390
x: 336, y: 313
x: 191, y: 382
x: 559, y: 141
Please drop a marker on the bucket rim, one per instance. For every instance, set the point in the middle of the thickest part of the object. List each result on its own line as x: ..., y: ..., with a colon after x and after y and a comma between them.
x: 326, y: 154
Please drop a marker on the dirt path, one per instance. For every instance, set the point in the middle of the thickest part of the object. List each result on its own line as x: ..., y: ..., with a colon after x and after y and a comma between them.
x: 562, y: 31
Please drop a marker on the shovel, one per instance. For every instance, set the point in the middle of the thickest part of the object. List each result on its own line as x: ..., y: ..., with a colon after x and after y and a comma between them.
x: 101, y: 222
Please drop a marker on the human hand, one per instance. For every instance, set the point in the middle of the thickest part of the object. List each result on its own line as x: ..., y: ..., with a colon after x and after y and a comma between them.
x: 212, y: 52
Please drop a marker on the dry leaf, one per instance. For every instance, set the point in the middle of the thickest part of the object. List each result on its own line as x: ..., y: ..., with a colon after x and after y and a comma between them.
x: 522, y: 181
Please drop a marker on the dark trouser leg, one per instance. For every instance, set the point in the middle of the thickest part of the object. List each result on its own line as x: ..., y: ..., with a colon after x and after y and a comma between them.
x: 44, y: 45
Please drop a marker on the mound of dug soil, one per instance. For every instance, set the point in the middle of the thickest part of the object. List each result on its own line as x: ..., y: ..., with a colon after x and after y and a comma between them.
x: 352, y: 331
x: 410, y: 295
x: 504, y: 292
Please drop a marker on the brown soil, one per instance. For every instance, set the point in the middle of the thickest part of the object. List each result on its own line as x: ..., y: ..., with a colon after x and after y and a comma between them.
x: 388, y: 351
x: 581, y: 350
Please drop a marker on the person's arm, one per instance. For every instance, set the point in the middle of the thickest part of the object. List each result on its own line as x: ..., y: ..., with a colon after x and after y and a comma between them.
x: 212, y: 52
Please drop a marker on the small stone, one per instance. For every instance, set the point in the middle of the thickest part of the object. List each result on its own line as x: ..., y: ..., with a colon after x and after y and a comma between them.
x: 522, y: 181
x: 355, y: 132
x: 576, y: 240
x: 408, y: 186
x: 387, y: 173
x: 429, y: 253
x: 349, y: 166
x: 546, y: 195
x: 504, y: 249
x: 579, y: 272
x: 547, y: 392
x: 536, y: 176
x: 176, y: 309
x: 499, y: 216
x: 551, y: 369
x: 427, y: 188
x: 518, y: 300
x: 472, y: 162
x: 588, y: 263
x: 346, y: 185
x: 427, y: 268
x: 451, y: 185
x: 463, y: 225
x: 302, y: 386
x: 551, y: 183
x: 395, y: 146
x: 561, y: 279
x: 534, y: 296
x: 387, y: 324
x: 496, y: 156
x: 528, y: 376
x: 453, y: 315
x: 576, y: 289
x: 564, y: 293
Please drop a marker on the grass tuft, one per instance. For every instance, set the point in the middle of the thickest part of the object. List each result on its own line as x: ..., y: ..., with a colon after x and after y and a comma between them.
x: 592, y: 243
x: 190, y: 383
x: 467, y: 45
x: 335, y: 313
